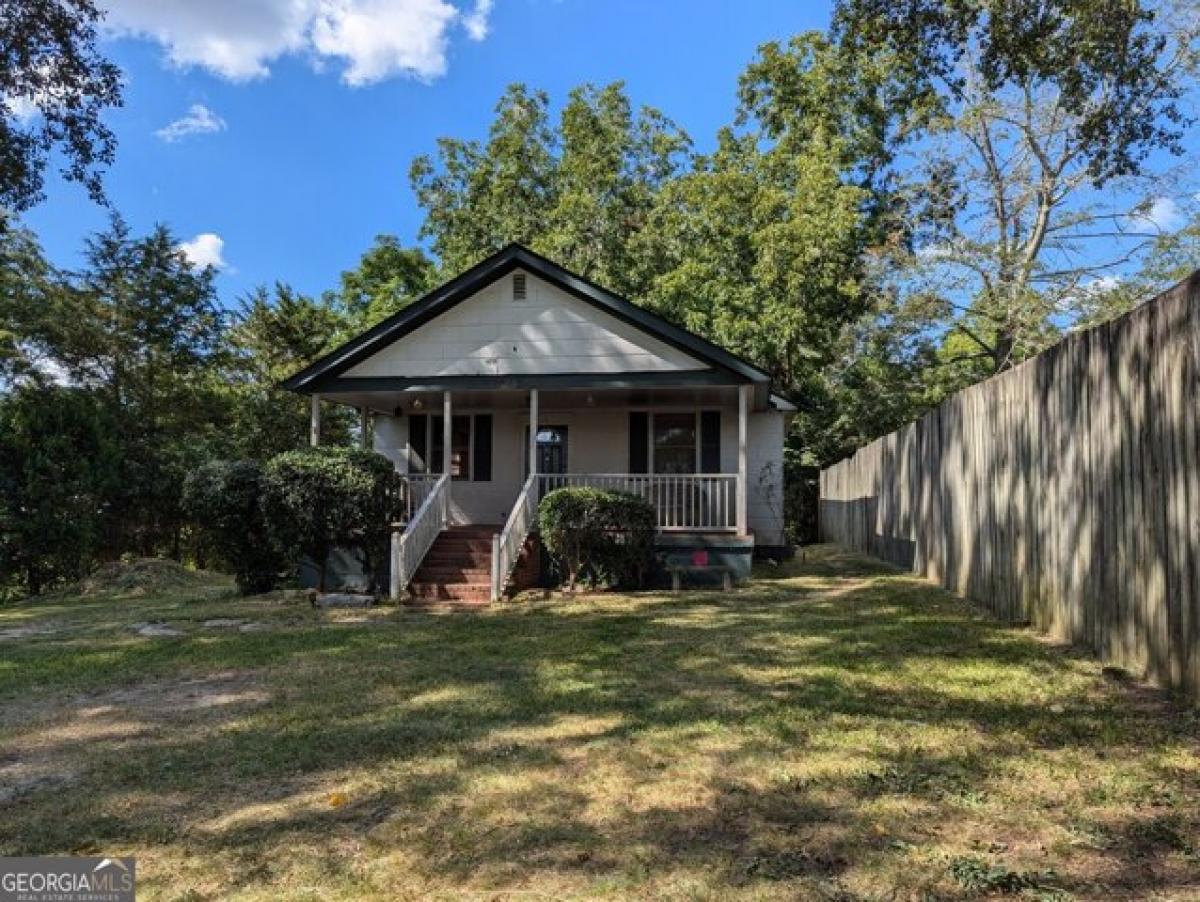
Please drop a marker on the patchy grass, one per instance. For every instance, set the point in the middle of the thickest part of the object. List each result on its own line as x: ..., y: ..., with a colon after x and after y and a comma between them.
x: 834, y: 730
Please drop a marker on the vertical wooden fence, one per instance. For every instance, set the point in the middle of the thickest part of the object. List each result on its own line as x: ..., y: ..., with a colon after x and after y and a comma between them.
x: 1064, y: 492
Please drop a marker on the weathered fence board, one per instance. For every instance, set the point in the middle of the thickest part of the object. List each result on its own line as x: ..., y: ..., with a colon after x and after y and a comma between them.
x: 1064, y: 492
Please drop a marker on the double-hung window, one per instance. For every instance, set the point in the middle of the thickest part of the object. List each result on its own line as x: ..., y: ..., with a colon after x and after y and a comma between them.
x: 470, y: 446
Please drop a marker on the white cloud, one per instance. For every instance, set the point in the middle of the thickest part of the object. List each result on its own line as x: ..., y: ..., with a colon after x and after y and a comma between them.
x: 199, y: 120
x: 1163, y: 214
x: 205, y: 250
x: 239, y: 39
x: 476, y: 21
x: 378, y: 38
x: 23, y: 109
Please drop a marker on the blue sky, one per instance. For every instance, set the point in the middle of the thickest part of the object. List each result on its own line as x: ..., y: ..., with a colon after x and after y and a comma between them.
x: 295, y: 170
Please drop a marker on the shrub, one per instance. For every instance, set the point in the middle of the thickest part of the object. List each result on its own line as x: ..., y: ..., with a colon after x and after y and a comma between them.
x: 58, y: 468
x: 602, y: 535
x: 322, y: 498
x: 224, y: 498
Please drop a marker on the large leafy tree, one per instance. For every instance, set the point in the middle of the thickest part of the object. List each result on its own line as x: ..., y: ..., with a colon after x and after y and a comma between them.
x: 274, y: 334
x: 1026, y: 134
x: 54, y: 86
x: 59, y: 465
x: 26, y: 283
x: 477, y: 196
x: 139, y: 327
x: 579, y: 190
x: 388, y: 278
x: 770, y: 245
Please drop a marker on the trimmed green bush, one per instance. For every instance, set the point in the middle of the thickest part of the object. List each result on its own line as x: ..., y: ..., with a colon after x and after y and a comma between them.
x: 224, y: 498
x: 601, y: 536
x: 324, y: 498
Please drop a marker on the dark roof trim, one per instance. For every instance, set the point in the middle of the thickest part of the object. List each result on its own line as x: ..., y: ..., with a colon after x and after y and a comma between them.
x: 515, y: 256
x: 333, y: 385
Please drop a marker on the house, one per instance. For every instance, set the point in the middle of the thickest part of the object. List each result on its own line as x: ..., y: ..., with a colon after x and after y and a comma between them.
x: 518, y: 377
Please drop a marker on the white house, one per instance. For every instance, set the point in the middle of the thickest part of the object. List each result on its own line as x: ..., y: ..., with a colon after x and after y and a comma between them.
x: 517, y: 377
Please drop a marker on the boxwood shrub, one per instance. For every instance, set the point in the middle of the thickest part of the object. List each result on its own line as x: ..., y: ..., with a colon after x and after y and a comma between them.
x: 598, y: 536
x: 223, y: 498
x: 319, y: 499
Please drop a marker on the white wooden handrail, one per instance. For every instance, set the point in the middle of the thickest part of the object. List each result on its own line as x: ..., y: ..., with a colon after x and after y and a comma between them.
x: 410, y: 546
x: 682, y: 501
x: 417, y: 487
x: 507, y: 544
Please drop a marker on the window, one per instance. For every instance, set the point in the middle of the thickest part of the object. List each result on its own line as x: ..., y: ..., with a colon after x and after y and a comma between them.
x: 460, y: 447
x: 674, y: 443
x: 467, y: 434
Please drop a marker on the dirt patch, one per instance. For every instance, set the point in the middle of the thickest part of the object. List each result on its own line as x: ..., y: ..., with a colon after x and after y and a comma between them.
x: 21, y: 778
x: 165, y: 700
x: 141, y: 576
x: 50, y: 747
x: 27, y: 632
x: 156, y: 630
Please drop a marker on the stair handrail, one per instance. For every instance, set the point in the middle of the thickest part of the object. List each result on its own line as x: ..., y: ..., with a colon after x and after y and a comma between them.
x: 507, y: 544
x: 410, y: 546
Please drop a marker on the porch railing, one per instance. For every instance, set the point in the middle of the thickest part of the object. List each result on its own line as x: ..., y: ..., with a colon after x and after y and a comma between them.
x: 415, y: 487
x: 683, y: 501
x: 410, y: 546
x: 507, y: 544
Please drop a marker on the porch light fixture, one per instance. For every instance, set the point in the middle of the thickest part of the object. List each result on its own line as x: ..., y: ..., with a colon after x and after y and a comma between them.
x: 417, y: 404
x: 591, y: 400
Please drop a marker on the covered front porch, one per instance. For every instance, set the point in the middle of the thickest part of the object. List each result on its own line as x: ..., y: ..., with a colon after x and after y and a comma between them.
x: 483, y: 457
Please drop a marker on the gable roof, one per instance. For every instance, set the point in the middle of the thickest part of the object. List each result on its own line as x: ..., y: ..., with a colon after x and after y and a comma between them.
x: 515, y: 256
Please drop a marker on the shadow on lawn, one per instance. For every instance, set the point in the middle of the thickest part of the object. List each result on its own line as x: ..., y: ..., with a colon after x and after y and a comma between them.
x: 530, y: 740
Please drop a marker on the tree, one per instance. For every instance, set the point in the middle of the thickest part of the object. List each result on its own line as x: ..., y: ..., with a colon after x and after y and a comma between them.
x: 26, y: 282
x: 58, y: 466
x: 388, y: 278
x: 1017, y: 118
x: 611, y: 169
x: 579, y: 191
x: 139, y: 327
x: 768, y: 245
x: 273, y: 335
x: 478, y: 198
x: 54, y: 85
x: 1173, y: 257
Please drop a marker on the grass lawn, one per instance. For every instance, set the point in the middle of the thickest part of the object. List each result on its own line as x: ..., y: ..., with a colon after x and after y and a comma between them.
x: 833, y: 730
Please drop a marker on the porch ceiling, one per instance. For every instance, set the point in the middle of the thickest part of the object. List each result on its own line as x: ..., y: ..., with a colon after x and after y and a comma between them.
x: 412, y: 401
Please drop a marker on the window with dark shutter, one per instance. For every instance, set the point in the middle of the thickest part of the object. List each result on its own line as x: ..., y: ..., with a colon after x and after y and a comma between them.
x: 483, y: 447
x: 639, y: 441
x: 418, y: 443
x: 710, y: 441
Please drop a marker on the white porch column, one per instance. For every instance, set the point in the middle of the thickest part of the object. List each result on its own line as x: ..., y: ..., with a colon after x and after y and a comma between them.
x: 743, y: 508
x: 314, y: 421
x: 533, y: 428
x: 446, y: 435
x: 446, y: 431
x: 364, y: 426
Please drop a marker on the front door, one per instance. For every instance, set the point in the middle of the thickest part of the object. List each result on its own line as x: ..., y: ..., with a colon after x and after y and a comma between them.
x: 551, y: 452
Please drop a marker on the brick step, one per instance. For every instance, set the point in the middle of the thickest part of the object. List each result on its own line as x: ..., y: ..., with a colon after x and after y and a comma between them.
x: 459, y: 563
x: 447, y: 605
x: 449, y: 573
x: 426, y: 591
x: 462, y: 546
x: 478, y: 558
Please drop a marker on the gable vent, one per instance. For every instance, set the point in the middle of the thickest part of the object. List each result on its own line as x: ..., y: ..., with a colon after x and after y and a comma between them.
x: 519, y: 287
